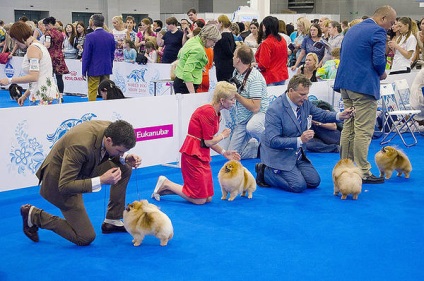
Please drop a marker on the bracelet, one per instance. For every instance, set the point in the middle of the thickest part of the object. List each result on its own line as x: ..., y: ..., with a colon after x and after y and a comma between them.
x: 10, y: 80
x: 222, y: 136
x: 223, y: 151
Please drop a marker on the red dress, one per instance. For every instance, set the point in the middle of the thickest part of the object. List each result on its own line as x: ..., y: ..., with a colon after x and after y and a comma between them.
x: 195, y: 160
x: 55, y: 51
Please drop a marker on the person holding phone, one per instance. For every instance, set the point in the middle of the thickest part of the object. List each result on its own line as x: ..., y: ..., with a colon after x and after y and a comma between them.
x: 313, y: 43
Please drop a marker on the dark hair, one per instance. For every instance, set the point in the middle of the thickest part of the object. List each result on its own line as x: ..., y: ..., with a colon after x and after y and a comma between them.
x: 98, y: 20
x: 192, y: 10
x: 113, y: 92
x: 20, y: 31
x: 83, y: 26
x: 316, y: 25
x: 200, y: 23
x: 159, y: 23
x: 49, y: 20
x: 289, y: 28
x: 122, y: 133
x: 299, y: 79
x: 271, y: 28
x: 337, y: 25
x: 241, y: 26
x: 23, y: 19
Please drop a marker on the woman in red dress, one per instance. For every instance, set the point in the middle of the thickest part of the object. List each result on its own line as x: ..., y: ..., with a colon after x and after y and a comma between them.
x: 54, y: 43
x: 195, y: 151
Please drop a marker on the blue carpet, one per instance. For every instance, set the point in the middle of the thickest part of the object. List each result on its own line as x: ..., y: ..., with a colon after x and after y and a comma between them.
x: 6, y: 101
x: 275, y: 236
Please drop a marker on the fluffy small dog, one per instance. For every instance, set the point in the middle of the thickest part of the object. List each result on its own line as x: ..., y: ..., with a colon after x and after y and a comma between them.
x: 142, y: 218
x: 347, y: 179
x: 235, y: 179
x: 389, y: 159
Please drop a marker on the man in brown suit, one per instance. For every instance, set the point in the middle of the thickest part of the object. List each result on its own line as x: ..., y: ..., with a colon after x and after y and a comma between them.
x: 87, y: 156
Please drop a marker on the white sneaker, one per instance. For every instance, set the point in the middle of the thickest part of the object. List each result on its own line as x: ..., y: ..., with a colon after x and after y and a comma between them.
x: 159, y: 183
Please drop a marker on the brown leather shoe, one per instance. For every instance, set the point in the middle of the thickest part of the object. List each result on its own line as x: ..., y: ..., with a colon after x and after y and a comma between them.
x: 30, y: 232
x: 110, y: 228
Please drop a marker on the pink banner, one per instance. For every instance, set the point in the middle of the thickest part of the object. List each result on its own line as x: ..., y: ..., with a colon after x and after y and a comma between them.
x: 156, y: 132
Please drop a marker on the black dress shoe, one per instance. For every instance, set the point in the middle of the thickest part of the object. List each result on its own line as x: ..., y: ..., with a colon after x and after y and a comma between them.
x: 372, y: 180
x: 30, y: 232
x: 110, y: 228
x: 260, y: 168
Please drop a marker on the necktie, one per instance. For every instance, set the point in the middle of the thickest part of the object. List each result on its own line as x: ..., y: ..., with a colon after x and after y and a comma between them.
x: 299, y: 119
x: 298, y: 115
x: 104, y: 156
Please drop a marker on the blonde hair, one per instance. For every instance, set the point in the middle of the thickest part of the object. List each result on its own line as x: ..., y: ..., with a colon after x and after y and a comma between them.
x: 315, y: 58
x: 305, y: 23
x: 224, y: 20
x: 223, y: 90
x: 355, y: 21
x: 210, y: 32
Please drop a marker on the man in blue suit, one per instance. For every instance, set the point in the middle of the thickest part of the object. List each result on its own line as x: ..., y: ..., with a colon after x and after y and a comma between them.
x: 287, y: 130
x: 97, y: 58
x: 362, y: 66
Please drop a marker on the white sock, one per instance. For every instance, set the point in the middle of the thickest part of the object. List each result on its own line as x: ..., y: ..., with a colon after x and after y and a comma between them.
x: 114, y: 222
x: 29, y: 216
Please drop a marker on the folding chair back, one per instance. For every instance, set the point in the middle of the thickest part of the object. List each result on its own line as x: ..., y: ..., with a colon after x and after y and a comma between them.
x: 398, y: 119
x: 402, y: 92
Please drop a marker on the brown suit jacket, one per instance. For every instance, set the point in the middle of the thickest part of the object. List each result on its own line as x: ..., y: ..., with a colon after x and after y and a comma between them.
x: 72, y: 162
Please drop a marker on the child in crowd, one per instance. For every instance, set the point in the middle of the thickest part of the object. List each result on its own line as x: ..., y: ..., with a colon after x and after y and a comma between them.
x: 329, y: 69
x: 130, y: 54
x: 151, y: 53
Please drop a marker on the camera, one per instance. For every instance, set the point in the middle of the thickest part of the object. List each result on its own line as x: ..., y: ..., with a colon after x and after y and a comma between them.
x: 233, y: 80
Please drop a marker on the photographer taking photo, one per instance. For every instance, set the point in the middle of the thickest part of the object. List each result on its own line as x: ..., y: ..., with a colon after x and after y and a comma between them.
x: 252, y: 103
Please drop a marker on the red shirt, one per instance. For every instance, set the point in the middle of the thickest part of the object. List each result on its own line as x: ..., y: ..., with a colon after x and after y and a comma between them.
x: 271, y: 57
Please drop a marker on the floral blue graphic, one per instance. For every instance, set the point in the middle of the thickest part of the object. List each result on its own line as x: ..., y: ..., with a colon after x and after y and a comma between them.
x: 28, y: 154
x: 66, y: 126
x: 120, y: 82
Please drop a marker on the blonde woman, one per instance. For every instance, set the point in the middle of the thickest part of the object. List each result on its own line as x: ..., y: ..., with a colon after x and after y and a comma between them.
x: 224, y: 50
x: 309, y: 69
x: 303, y: 25
x: 119, y: 34
x: 195, y: 151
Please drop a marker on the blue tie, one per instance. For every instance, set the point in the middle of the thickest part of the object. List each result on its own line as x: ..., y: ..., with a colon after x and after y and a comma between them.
x: 298, y: 115
x: 299, y: 119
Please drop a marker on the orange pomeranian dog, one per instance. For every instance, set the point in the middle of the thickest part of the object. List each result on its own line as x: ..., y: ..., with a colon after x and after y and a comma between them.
x: 142, y: 218
x: 347, y: 179
x: 389, y: 159
x: 235, y: 179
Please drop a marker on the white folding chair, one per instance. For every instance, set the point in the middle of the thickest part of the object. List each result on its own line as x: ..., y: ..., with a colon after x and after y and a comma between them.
x: 402, y: 91
x: 398, y: 119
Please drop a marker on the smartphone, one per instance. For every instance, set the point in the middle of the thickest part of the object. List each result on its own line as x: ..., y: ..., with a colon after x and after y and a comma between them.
x: 291, y: 47
x: 48, y: 39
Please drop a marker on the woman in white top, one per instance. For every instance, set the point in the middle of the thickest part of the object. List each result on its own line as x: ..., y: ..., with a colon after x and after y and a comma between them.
x: 252, y: 39
x: 37, y: 65
x: 403, y: 47
x: 119, y: 34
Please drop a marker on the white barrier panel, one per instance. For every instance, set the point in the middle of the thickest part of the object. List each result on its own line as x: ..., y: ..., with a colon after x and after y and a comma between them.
x: 29, y: 132
x: 134, y: 80
x: 160, y: 124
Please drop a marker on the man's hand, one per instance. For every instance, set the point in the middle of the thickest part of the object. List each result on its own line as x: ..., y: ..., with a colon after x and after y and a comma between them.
x: 307, y: 136
x: 347, y: 113
x: 133, y: 160
x: 112, y: 176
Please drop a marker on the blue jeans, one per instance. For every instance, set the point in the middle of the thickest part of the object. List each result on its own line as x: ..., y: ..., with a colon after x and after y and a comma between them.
x: 243, y: 133
x: 302, y: 176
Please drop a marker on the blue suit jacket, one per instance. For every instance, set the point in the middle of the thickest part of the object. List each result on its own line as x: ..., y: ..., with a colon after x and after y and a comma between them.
x: 279, y: 140
x: 98, y: 54
x: 362, y: 59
